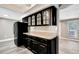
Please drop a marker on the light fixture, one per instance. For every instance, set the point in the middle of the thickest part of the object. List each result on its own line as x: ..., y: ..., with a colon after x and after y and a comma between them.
x: 5, y: 15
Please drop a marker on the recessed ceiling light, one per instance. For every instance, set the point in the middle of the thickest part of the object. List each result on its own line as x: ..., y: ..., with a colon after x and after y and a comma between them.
x: 5, y: 15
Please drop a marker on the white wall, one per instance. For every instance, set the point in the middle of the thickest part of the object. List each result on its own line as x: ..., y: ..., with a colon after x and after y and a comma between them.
x: 6, y: 29
x: 71, y: 11
x: 11, y: 14
x: 7, y: 22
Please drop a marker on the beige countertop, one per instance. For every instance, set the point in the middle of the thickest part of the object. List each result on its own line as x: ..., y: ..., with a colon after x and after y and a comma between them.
x: 46, y: 35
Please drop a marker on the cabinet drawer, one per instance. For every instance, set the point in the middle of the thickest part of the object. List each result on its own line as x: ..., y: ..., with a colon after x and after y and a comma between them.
x: 39, y: 47
x: 43, y: 41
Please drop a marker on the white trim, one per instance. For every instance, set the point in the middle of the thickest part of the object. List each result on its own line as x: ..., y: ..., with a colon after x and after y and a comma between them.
x: 9, y: 19
x: 69, y: 39
x: 6, y: 39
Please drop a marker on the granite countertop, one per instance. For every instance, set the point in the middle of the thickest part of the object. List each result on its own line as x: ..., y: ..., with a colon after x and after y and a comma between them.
x: 46, y: 35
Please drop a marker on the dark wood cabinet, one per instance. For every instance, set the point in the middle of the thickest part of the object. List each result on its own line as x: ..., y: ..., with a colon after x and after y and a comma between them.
x: 41, y: 46
x: 39, y: 19
x: 54, y: 15
x: 29, y: 21
x: 45, y: 17
x: 19, y: 29
x: 25, y: 19
x: 33, y: 20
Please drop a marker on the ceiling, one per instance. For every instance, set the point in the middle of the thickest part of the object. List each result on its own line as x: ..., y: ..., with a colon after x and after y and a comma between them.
x: 62, y: 6
x: 17, y: 7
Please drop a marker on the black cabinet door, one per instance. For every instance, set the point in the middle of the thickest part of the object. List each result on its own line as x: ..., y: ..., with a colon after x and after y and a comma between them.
x: 46, y: 17
x: 29, y: 21
x: 19, y: 28
x: 33, y: 20
x: 38, y: 18
x: 38, y: 47
x: 54, y: 15
x: 42, y: 49
x: 25, y: 19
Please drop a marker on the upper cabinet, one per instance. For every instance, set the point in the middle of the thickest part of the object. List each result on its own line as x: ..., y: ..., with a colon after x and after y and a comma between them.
x: 25, y: 19
x: 54, y: 15
x: 33, y: 20
x: 29, y: 21
x: 39, y: 19
x: 46, y: 17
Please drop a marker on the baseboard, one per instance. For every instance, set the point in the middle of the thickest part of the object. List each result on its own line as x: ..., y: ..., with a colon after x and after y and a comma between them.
x: 9, y: 39
x: 69, y: 39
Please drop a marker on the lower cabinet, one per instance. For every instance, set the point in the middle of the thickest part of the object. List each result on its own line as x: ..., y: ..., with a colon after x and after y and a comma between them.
x: 37, y: 45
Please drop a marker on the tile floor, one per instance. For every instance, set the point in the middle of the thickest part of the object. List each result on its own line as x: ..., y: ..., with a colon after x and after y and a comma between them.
x: 65, y: 47
x: 9, y: 47
x: 68, y: 46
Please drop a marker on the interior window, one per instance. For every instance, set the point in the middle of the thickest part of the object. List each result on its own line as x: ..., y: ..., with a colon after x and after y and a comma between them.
x: 72, y: 29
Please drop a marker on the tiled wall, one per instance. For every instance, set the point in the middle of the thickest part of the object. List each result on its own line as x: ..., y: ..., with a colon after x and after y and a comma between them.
x: 51, y: 29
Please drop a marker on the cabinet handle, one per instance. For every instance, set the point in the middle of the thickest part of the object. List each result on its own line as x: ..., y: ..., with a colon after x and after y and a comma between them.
x: 42, y: 46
